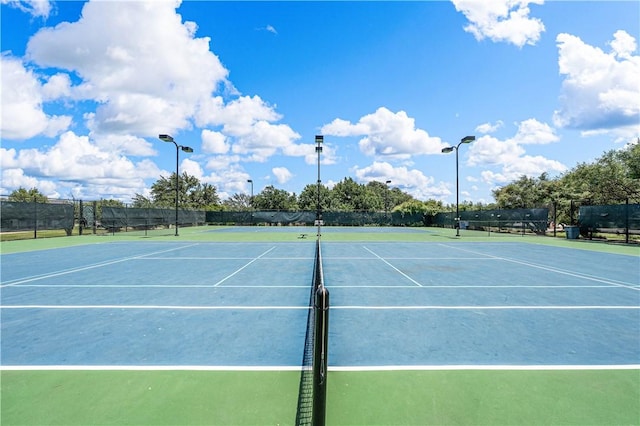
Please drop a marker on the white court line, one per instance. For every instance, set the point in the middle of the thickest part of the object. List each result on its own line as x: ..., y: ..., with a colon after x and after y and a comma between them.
x: 331, y: 368
x: 557, y: 270
x: 344, y: 307
x: 396, y: 269
x: 174, y: 286
x: 224, y: 258
x: 489, y: 308
x: 234, y: 273
x: 148, y: 368
x: 158, y: 307
x: 484, y: 367
x: 84, y: 268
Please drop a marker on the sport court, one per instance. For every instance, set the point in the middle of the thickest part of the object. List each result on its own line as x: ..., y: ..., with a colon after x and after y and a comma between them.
x: 424, y: 328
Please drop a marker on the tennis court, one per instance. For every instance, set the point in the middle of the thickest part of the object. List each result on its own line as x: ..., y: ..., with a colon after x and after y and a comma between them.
x: 425, y: 328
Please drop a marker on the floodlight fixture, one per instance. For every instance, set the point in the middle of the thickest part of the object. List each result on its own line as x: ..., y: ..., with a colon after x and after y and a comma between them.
x: 169, y: 139
x: 466, y: 139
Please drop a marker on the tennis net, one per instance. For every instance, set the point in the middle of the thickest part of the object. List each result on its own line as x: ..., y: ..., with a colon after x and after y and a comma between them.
x: 313, y: 378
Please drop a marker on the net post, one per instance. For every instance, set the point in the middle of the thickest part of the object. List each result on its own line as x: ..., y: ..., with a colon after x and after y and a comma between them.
x: 320, y: 356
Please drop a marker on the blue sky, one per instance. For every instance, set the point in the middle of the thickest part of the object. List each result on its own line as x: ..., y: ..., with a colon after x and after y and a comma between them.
x: 87, y: 87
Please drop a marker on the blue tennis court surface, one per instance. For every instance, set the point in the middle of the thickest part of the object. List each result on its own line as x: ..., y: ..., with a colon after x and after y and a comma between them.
x: 393, y: 304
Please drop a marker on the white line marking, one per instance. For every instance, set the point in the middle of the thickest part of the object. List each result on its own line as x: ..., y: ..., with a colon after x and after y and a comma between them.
x: 344, y: 307
x: 331, y: 368
x: 84, y: 268
x: 485, y: 367
x: 175, y: 286
x: 170, y: 307
x: 396, y: 269
x: 234, y: 273
x: 476, y: 308
x: 148, y: 368
x: 557, y: 270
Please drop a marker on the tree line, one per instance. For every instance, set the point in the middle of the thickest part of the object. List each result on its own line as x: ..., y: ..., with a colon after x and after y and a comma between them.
x: 613, y: 178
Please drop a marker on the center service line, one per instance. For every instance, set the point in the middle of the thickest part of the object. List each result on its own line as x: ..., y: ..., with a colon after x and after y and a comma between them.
x: 234, y: 273
x: 396, y: 269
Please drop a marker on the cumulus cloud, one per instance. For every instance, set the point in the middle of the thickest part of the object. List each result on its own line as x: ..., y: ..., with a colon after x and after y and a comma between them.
x: 502, y: 20
x: 532, y: 131
x: 600, y: 90
x: 411, y: 181
x: 75, y: 159
x: 143, y: 71
x: 387, y: 134
x: 214, y: 142
x: 510, y: 156
x: 116, y: 47
x: 23, y: 116
x: 489, y: 127
x: 282, y: 174
x: 252, y: 125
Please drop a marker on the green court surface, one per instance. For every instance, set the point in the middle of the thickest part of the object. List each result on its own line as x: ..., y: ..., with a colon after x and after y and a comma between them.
x: 478, y: 397
x: 392, y: 394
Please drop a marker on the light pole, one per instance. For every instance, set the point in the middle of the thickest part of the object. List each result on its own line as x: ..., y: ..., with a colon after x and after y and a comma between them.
x: 168, y: 138
x: 466, y: 139
x: 251, y: 199
x: 319, y: 140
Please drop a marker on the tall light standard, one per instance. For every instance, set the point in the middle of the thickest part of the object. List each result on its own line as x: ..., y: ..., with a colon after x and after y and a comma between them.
x: 466, y: 139
x: 319, y: 140
x: 251, y: 199
x: 168, y: 138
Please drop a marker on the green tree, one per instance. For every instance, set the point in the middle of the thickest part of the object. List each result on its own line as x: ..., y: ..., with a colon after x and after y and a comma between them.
x: 192, y: 194
x: 31, y: 195
x: 308, y: 199
x: 238, y: 202
x: 140, y: 202
x: 275, y: 199
x: 351, y: 196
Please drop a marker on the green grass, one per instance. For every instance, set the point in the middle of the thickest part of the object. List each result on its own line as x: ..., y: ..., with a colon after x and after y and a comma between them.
x: 593, y: 397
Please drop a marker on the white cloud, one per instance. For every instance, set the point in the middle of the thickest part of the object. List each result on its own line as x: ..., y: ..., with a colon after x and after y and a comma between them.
x: 75, y: 159
x: 271, y: 29
x: 37, y: 8
x: 502, y: 20
x: 411, y: 181
x: 600, y: 90
x: 124, y: 144
x: 116, y: 47
x: 22, y: 101
x: 282, y: 174
x: 387, y: 134
x: 308, y: 151
x: 192, y: 168
x: 532, y: 131
x: 214, y: 142
x: 509, y: 155
x: 489, y: 128
x: 490, y: 151
x: 57, y: 86
x: 250, y: 122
